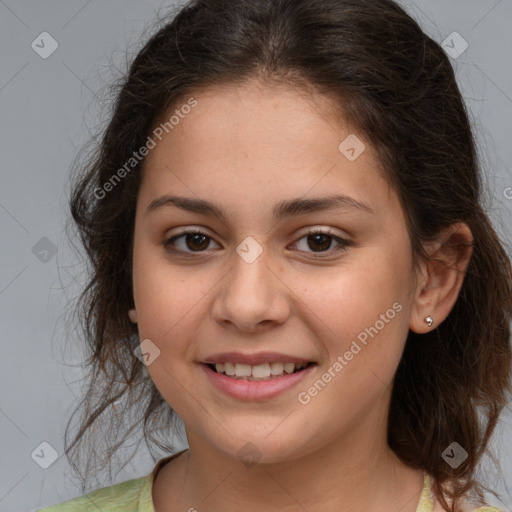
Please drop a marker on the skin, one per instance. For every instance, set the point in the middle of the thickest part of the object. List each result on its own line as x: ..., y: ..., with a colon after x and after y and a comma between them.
x: 246, y: 148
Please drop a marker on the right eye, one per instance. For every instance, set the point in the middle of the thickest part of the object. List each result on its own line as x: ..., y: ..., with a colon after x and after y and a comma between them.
x: 194, y: 240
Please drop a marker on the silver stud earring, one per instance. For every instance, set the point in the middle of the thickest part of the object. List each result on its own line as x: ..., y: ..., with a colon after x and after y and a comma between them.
x: 132, y: 314
x: 429, y: 320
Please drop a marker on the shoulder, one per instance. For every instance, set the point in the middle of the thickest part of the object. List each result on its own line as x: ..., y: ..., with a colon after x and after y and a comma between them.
x: 488, y: 509
x: 129, y: 496
x: 466, y: 504
x: 471, y: 506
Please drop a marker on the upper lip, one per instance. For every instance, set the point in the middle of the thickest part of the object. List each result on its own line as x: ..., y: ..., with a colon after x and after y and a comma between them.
x: 253, y: 359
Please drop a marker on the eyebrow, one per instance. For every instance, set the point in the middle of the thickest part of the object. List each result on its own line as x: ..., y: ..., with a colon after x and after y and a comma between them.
x: 281, y: 210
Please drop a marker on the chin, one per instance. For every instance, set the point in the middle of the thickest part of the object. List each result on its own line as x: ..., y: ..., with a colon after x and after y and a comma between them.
x: 251, y: 449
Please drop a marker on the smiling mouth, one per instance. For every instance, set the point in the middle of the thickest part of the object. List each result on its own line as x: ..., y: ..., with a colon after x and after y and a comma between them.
x: 259, y: 372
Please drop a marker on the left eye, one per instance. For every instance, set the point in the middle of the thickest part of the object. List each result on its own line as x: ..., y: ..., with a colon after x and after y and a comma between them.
x: 197, y: 241
x: 323, y: 240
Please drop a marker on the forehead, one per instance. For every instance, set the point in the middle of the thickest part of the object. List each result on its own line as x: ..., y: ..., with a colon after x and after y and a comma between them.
x: 261, y: 141
x: 257, y: 117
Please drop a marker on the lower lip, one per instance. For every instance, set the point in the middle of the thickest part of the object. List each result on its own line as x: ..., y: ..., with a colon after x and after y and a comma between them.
x: 256, y: 389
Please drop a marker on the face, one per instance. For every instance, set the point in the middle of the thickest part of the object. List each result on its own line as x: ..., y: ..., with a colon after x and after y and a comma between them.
x: 263, y: 283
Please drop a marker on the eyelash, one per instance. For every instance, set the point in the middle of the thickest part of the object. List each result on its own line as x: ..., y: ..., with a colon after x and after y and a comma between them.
x: 344, y: 244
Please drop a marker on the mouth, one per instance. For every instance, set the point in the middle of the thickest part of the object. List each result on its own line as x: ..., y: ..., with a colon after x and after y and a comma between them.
x: 258, y: 372
x: 261, y: 381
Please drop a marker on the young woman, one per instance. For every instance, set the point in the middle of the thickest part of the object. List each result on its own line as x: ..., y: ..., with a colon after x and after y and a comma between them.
x: 289, y: 253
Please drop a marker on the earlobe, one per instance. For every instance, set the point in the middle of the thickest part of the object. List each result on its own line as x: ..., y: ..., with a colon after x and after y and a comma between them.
x: 132, y: 313
x: 443, y: 277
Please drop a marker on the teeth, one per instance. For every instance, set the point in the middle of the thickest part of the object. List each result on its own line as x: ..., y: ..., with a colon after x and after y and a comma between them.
x: 289, y: 367
x: 262, y: 371
x: 276, y: 368
x: 229, y: 368
x: 242, y: 370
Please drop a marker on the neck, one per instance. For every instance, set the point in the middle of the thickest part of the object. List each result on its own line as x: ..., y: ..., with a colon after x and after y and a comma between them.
x: 349, y: 474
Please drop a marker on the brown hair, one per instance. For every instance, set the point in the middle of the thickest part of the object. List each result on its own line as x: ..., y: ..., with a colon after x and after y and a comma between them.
x: 397, y: 87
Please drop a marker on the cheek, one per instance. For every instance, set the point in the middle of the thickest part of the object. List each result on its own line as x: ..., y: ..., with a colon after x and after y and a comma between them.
x: 163, y: 296
x: 166, y: 302
x: 168, y: 305
x: 360, y: 313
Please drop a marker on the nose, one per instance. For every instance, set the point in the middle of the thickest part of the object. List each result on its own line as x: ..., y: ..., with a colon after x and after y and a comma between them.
x: 252, y: 296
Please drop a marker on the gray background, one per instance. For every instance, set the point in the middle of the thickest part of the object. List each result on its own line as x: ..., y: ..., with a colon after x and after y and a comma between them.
x: 49, y: 109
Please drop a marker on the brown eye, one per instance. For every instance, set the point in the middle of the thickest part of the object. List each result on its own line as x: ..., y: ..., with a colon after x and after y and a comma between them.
x: 318, y: 241
x: 190, y: 241
x: 196, y: 241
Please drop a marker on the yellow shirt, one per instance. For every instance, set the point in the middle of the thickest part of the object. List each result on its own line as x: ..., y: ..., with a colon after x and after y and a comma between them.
x: 135, y: 496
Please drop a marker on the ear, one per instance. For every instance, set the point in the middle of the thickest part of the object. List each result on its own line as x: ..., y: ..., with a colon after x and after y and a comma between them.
x: 440, y: 278
x: 132, y: 313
